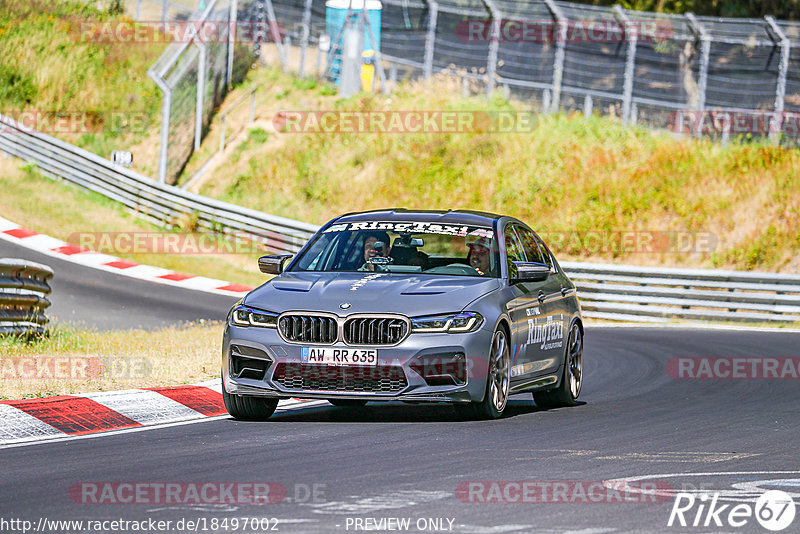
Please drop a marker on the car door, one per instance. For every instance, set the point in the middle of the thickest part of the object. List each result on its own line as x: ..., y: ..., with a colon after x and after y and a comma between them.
x: 525, y: 311
x: 546, y: 323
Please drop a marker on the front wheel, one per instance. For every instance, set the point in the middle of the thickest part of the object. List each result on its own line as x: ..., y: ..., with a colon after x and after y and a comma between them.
x: 497, y: 382
x: 247, y: 408
x: 566, y: 394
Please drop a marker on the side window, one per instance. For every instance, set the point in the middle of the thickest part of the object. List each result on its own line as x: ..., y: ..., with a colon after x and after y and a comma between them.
x: 514, y: 250
x: 548, y: 257
x: 530, y: 245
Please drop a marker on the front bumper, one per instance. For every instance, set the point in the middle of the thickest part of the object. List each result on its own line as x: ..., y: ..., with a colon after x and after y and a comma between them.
x: 265, y: 343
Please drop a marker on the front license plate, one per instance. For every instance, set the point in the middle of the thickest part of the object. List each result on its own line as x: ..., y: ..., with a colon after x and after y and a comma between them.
x: 332, y: 356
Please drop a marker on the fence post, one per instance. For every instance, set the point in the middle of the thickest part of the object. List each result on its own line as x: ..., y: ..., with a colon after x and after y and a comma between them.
x: 276, y: 36
x: 138, y: 10
x: 232, y: 22
x: 164, y: 8
x: 202, y: 63
x: 702, y: 76
x: 306, y: 32
x: 587, y: 105
x: 632, y: 35
x: 163, y: 149
x: 779, y: 37
x: 494, y: 45
x: 561, y: 43
x: 430, y: 38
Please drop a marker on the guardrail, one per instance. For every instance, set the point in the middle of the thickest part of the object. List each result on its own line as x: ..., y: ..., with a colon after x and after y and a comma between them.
x: 165, y: 204
x: 23, y: 290
x: 623, y: 292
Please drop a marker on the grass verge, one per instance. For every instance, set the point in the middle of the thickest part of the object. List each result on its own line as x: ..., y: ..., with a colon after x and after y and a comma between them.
x: 61, y: 80
x: 74, y: 360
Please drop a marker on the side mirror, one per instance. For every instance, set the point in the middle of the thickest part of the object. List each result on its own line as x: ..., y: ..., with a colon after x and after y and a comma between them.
x: 272, y: 264
x: 531, y: 272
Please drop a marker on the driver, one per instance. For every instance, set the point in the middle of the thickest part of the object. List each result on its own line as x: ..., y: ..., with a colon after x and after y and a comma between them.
x: 480, y: 256
x: 371, y: 251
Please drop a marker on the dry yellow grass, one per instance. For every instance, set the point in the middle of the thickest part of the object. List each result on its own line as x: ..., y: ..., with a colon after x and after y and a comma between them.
x: 568, y: 176
x: 80, y: 361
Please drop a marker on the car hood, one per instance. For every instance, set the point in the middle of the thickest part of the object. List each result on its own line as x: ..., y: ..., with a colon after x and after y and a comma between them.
x: 411, y: 295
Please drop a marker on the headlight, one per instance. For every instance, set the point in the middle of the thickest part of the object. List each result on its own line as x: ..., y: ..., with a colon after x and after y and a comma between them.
x: 244, y: 316
x: 453, y: 323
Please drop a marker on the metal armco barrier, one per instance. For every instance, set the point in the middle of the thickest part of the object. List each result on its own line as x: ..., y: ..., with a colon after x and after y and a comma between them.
x: 623, y: 292
x: 23, y: 290
x: 166, y: 205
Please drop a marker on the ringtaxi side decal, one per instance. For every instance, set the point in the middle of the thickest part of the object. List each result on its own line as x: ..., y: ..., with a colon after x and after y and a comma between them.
x: 414, y: 228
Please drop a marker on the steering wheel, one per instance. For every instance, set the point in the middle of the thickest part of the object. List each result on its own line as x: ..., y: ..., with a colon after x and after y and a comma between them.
x: 454, y: 268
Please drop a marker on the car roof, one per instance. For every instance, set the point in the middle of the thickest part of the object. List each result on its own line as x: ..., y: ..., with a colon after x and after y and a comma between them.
x: 469, y: 217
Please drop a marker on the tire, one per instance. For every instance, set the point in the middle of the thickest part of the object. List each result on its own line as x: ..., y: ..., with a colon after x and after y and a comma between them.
x: 246, y: 408
x: 566, y: 394
x: 353, y: 403
x: 498, y: 381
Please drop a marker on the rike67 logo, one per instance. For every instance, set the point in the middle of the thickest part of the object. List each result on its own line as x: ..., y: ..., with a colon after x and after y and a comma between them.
x: 774, y: 510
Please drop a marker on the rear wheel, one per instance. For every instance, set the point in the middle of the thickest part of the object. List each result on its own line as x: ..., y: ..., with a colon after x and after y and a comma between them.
x: 566, y: 394
x: 497, y: 382
x: 347, y: 402
x: 249, y: 408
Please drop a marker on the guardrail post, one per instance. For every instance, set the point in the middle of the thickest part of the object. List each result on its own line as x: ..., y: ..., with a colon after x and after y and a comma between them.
x: 587, y: 105
x: 632, y: 35
x: 779, y: 38
x: 494, y: 45
x: 306, y: 32
x: 561, y: 43
x: 702, y: 34
x: 430, y: 38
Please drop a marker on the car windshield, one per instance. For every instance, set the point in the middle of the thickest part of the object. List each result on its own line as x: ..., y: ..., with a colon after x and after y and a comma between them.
x: 399, y: 247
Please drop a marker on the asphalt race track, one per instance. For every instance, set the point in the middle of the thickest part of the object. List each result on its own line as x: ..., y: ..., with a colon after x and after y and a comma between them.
x: 736, y: 438
x: 106, y: 301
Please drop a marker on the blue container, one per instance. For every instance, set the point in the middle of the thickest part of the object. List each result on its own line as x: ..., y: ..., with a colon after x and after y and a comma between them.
x: 335, y: 14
